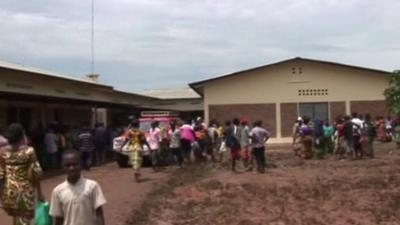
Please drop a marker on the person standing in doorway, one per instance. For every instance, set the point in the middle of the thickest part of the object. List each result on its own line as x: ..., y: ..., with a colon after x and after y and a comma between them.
x: 259, y: 137
x: 100, y: 142
x: 86, y: 146
x: 50, y: 141
x: 61, y: 143
x: 76, y: 201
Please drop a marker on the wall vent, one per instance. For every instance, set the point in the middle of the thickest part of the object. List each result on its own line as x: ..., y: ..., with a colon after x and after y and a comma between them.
x: 313, y: 92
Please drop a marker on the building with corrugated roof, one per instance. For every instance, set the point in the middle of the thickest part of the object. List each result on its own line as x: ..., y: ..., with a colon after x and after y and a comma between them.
x: 279, y: 93
x: 35, y: 97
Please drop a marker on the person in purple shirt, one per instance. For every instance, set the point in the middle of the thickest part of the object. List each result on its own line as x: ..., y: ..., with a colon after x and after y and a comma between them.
x: 259, y: 137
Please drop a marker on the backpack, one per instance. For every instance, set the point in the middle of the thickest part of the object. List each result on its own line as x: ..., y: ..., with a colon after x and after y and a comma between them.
x: 231, y: 139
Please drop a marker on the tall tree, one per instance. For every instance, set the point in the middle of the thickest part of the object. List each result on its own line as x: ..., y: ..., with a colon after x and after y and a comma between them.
x: 392, y: 93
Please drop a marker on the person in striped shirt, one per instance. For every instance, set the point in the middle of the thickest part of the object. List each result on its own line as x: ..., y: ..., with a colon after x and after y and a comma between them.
x: 86, y: 146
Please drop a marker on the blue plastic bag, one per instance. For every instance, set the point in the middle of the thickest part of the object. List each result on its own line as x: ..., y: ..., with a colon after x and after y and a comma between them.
x: 42, y: 216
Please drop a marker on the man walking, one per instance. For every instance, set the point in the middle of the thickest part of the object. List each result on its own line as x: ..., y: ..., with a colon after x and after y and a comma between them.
x: 76, y: 201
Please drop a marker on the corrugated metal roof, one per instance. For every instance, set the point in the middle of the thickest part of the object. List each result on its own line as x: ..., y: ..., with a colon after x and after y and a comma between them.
x: 172, y: 93
x: 29, y: 69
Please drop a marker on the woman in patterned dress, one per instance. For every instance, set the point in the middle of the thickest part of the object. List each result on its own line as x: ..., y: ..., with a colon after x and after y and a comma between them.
x: 20, y: 171
x: 136, y: 139
x: 306, y: 139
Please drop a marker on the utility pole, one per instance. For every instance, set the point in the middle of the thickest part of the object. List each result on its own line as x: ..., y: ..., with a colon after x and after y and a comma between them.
x: 92, y: 41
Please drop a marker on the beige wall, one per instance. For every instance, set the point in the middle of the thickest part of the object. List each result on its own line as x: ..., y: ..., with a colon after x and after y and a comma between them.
x: 277, y: 84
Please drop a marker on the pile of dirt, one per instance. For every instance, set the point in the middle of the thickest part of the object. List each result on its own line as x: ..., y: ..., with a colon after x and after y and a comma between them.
x: 293, y: 192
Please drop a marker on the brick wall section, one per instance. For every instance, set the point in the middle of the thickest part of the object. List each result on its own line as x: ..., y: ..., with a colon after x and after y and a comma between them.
x: 375, y: 108
x: 288, y: 117
x: 252, y: 112
x: 337, y: 109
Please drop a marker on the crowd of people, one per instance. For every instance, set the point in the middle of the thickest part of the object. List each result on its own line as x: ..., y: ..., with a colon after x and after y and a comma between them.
x: 349, y: 137
x: 80, y: 201
x: 195, y: 142
x: 51, y: 142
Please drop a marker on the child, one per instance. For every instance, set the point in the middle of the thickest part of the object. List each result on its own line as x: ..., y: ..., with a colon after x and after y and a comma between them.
x: 77, y: 200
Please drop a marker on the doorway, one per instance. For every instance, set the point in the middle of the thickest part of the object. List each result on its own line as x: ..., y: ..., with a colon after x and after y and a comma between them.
x: 314, y: 111
x: 22, y: 115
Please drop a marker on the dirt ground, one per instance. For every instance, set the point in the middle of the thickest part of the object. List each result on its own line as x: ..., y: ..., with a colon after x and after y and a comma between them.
x: 292, y: 192
x: 122, y: 193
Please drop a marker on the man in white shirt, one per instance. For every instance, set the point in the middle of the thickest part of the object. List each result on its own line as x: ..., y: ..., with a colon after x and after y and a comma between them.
x: 154, y: 142
x: 356, y: 120
x: 77, y: 201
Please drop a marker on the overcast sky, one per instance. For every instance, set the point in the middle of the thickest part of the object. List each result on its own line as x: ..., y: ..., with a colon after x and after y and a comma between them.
x: 145, y: 44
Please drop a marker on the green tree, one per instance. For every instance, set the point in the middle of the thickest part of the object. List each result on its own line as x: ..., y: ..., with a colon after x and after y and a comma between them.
x: 392, y: 93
